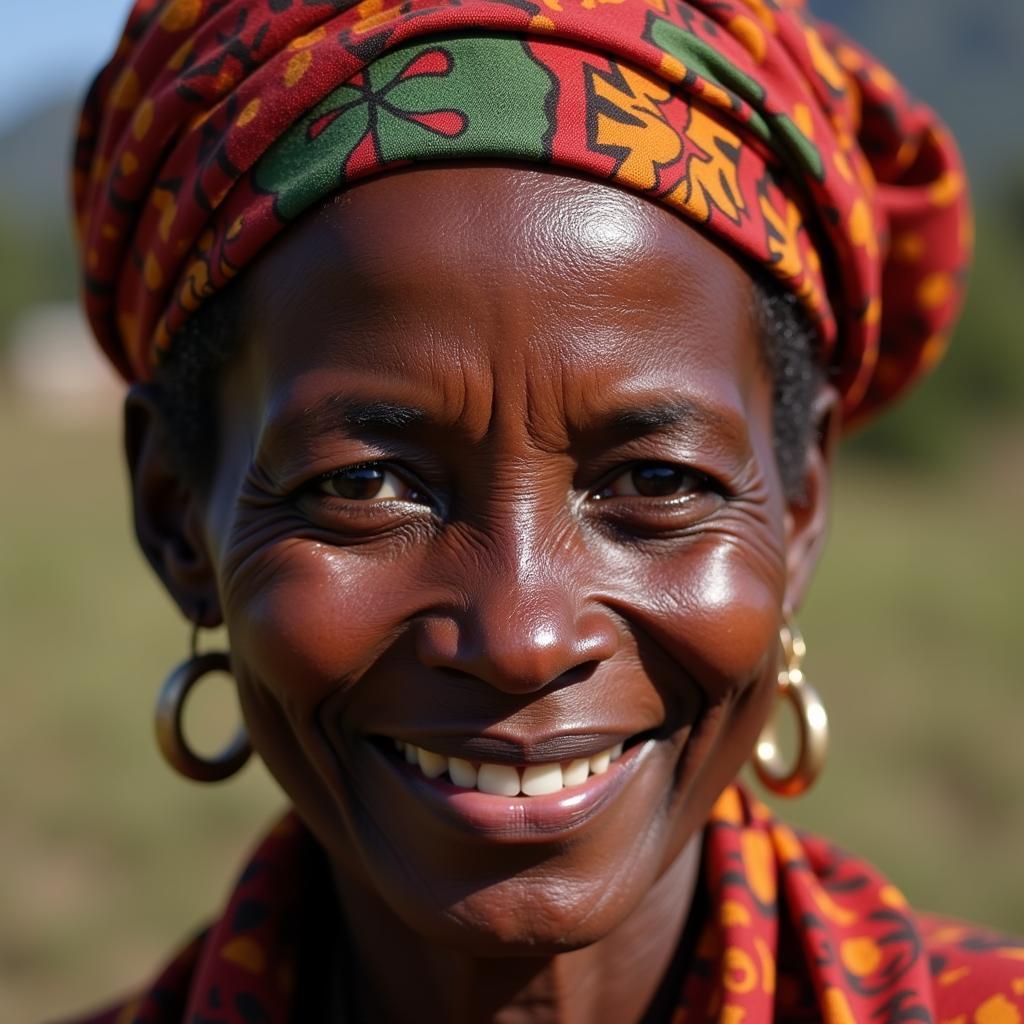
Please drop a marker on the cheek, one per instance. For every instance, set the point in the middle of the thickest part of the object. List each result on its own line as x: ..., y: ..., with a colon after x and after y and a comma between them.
x: 305, y: 623
x: 716, y: 611
x: 303, y: 620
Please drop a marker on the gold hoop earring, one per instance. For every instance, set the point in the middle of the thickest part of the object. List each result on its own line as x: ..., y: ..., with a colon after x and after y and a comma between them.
x: 812, y: 724
x: 170, y: 737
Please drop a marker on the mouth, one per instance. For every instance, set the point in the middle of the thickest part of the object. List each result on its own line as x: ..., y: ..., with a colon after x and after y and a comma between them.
x: 529, y: 780
x: 510, y: 796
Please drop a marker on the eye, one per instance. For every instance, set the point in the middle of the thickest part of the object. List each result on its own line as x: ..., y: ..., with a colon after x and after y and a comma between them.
x: 370, y: 482
x: 655, y: 480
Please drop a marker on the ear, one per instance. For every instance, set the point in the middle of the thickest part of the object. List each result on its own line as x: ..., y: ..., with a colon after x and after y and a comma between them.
x: 168, y: 511
x: 806, y: 520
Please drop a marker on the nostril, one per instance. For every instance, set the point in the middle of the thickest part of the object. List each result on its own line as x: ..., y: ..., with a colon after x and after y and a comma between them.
x: 458, y: 674
x: 577, y: 674
x: 518, y: 647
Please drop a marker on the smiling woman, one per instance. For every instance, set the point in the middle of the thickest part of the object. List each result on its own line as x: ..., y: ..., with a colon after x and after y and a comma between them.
x: 504, y: 460
x: 504, y: 576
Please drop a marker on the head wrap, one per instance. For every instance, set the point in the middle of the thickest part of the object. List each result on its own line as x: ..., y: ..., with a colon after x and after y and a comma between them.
x: 217, y: 122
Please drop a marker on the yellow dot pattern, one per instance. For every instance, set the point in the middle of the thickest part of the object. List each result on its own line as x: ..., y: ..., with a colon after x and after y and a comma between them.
x: 297, y: 68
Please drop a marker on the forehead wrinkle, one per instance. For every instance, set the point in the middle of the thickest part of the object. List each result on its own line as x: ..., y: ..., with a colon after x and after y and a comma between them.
x: 447, y: 394
x: 565, y: 401
x: 464, y: 382
x: 569, y: 316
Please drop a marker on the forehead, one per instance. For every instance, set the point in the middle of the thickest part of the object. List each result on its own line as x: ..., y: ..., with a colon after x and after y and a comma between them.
x: 449, y: 286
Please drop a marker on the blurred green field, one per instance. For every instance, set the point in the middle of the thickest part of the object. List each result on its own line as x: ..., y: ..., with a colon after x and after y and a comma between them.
x: 109, y: 859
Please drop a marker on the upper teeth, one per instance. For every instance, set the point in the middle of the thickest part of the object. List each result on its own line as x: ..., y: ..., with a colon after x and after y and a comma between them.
x: 506, y: 780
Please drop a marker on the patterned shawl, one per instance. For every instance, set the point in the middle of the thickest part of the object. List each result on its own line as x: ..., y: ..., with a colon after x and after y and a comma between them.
x: 794, y: 931
x: 218, y: 122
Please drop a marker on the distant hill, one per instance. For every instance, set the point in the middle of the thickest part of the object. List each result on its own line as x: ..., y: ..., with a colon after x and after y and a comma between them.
x: 35, y: 156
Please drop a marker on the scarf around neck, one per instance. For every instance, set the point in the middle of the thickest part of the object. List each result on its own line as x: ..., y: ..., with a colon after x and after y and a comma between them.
x: 794, y: 930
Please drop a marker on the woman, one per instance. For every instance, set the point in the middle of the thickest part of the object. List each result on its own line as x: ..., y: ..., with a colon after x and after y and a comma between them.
x: 487, y: 360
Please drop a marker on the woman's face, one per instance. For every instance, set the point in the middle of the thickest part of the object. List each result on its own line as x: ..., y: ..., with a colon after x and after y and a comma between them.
x: 496, y: 479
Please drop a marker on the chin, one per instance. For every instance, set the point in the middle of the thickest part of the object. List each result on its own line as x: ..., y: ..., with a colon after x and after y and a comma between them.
x: 539, y: 913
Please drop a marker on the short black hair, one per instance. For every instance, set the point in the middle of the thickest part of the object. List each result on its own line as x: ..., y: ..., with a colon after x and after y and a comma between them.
x: 791, y: 347
x: 187, y: 377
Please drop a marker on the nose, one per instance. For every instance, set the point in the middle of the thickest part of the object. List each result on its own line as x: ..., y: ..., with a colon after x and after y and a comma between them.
x: 519, y: 637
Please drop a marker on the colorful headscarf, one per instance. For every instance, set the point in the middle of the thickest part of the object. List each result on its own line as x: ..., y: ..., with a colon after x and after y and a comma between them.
x: 792, y: 929
x: 218, y: 122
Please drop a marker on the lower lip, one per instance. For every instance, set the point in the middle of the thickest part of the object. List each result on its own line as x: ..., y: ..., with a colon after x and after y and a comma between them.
x: 524, y: 818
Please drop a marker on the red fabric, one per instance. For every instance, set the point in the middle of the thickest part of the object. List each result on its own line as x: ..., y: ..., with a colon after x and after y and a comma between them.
x: 218, y: 121
x: 796, y: 931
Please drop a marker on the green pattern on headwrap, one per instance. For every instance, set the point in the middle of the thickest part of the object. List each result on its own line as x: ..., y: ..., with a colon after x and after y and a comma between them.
x: 701, y: 58
x: 491, y: 86
x: 807, y: 154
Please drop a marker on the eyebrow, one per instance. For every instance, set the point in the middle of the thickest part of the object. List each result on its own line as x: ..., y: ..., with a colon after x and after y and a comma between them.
x: 395, y: 416
x: 370, y: 415
x: 338, y: 413
x: 293, y: 427
x: 335, y: 413
x: 661, y: 415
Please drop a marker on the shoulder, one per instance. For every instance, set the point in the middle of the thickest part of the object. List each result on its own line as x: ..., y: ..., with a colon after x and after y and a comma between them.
x: 978, y: 974
x: 885, y: 956
x: 275, y: 904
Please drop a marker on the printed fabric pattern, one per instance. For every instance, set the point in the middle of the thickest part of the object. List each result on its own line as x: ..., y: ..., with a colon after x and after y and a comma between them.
x: 797, y: 932
x: 219, y: 122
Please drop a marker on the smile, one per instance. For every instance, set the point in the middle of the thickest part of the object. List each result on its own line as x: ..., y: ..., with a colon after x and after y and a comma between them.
x: 521, y: 793
x: 509, y: 780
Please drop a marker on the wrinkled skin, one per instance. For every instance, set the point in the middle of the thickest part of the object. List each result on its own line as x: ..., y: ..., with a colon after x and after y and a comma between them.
x: 508, y: 345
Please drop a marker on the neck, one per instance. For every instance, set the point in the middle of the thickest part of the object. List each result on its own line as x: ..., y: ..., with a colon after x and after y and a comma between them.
x: 389, y: 973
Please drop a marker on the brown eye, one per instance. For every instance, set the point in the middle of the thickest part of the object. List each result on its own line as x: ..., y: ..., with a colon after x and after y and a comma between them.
x: 654, y: 480
x: 368, y: 483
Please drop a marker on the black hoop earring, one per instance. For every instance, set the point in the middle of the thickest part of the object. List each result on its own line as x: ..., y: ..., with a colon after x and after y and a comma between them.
x: 170, y: 706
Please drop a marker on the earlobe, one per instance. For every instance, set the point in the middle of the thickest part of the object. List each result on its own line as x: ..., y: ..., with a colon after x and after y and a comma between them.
x: 168, y: 511
x: 807, y: 515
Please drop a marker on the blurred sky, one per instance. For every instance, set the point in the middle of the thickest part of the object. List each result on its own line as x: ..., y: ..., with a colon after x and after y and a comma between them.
x: 53, y: 48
